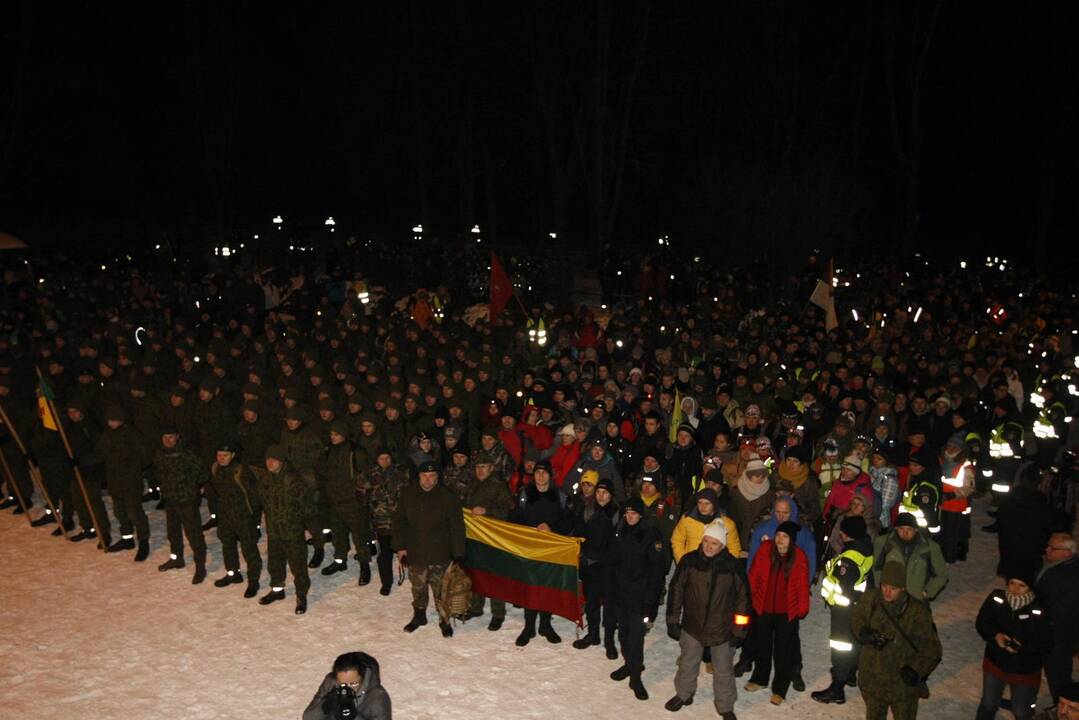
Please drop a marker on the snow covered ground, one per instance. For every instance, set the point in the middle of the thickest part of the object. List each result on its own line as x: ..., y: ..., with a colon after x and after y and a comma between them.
x: 96, y: 636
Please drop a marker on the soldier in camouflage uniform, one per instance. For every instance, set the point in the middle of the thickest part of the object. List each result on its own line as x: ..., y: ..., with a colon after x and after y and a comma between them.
x: 82, y: 434
x: 255, y: 434
x: 122, y: 449
x: 303, y: 448
x: 239, y: 508
x: 487, y: 494
x: 429, y: 532
x: 213, y: 422
x: 458, y: 473
x: 347, y: 513
x: 178, y: 471
x: 284, y: 498
x: 381, y: 486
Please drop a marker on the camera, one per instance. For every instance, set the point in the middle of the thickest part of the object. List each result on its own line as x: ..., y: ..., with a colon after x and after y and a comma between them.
x: 340, y: 703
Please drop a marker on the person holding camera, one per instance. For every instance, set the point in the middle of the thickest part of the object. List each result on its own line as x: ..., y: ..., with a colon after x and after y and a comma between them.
x: 900, y: 646
x: 350, y: 691
x: 1014, y: 623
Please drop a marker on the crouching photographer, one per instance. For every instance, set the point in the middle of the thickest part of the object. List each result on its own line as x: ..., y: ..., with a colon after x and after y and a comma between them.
x: 351, y: 691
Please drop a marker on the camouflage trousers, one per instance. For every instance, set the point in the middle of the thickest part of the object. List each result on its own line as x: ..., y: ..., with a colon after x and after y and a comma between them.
x: 290, y: 548
x: 901, y: 709
x: 183, y: 518
x: 240, y: 529
x: 92, y: 482
x: 350, y: 519
x: 422, y: 577
x: 127, y: 507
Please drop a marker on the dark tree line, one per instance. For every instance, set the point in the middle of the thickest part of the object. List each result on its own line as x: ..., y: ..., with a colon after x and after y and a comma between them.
x: 755, y: 126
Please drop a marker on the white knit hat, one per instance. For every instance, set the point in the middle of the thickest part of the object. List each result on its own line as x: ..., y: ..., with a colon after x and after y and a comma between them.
x: 717, y: 531
x: 567, y: 430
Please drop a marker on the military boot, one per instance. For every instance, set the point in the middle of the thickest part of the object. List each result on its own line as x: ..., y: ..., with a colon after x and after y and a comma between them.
x: 318, y: 557
x: 210, y: 524
x: 273, y: 596
x: 173, y: 563
x: 230, y: 578
x: 419, y: 619
x: 548, y: 632
x: 86, y: 534
x: 45, y: 519
x: 65, y: 527
x: 446, y: 628
x: 9, y: 501
x: 365, y: 573
x: 252, y: 589
x: 144, y: 551
x: 591, y: 638
x: 301, y: 604
x: 637, y: 687
x: 335, y: 567
x: 529, y: 631
x: 124, y: 543
x: 831, y: 694
x: 200, y: 572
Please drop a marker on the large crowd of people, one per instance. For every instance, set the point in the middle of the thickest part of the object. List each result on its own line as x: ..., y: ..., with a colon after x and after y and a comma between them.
x: 727, y: 457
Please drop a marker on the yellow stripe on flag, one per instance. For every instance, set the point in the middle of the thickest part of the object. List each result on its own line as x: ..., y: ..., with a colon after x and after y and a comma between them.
x: 523, y: 541
x: 46, y: 416
x: 676, y: 417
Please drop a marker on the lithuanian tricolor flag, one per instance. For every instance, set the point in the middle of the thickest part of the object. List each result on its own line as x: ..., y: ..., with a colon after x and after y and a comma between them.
x: 524, y: 566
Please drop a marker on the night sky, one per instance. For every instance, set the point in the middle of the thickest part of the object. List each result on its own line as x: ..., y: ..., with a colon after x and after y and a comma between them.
x: 770, y: 124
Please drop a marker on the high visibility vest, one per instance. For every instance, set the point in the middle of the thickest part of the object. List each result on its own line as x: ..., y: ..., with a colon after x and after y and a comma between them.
x: 831, y: 590
x: 926, y: 514
x: 537, y: 330
x: 953, y: 483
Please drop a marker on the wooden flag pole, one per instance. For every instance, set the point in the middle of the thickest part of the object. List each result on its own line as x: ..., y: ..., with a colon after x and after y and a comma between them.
x: 78, y: 473
x: 35, y: 472
x: 15, y: 487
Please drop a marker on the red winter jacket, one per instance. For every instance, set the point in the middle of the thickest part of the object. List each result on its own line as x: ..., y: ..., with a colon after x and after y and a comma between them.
x: 564, y: 460
x: 797, y: 583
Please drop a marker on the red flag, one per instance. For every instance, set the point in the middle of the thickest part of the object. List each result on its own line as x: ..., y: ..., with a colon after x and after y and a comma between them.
x: 501, y: 287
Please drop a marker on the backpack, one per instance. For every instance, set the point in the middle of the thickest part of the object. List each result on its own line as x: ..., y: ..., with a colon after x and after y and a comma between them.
x: 455, y: 595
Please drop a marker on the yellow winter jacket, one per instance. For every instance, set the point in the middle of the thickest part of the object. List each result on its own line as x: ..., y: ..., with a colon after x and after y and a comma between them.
x: 689, y: 531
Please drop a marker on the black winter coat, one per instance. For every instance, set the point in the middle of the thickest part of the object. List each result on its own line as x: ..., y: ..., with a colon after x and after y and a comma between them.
x: 639, y: 565
x: 1029, y: 626
x: 596, y: 525
x: 705, y: 596
x: 535, y: 507
x: 685, y: 464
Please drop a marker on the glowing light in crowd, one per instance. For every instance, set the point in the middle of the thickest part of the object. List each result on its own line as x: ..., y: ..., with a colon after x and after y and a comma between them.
x: 855, y: 314
x: 278, y: 220
x: 552, y: 235
x: 918, y: 314
x: 137, y: 331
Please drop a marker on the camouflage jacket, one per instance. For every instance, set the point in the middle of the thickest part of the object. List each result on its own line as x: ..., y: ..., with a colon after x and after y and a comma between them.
x: 284, y: 500
x: 457, y: 479
x: 178, y: 472
x: 383, y: 490
x: 493, y: 494
x: 338, y: 466
x: 237, y: 491
x: 124, y: 453
x: 302, y: 449
x: 254, y: 439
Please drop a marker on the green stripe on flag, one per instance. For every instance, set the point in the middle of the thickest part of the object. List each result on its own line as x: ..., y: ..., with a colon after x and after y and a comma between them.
x: 530, y: 572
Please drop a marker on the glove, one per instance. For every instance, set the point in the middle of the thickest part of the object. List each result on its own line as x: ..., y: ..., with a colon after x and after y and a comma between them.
x: 909, y: 676
x: 674, y: 631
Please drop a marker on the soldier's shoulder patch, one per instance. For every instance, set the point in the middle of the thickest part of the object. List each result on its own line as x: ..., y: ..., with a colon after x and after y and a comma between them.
x: 925, y: 499
x: 842, y: 569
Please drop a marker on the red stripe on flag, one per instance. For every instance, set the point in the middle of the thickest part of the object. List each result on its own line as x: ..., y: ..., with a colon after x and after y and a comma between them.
x: 559, y: 602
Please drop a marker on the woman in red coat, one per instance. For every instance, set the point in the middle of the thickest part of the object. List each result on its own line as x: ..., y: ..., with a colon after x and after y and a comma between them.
x: 779, y: 586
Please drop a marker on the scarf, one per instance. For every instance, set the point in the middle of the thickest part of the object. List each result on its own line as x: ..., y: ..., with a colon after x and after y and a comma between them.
x: 797, y: 479
x: 649, y: 502
x: 751, y: 490
x: 1019, y: 601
